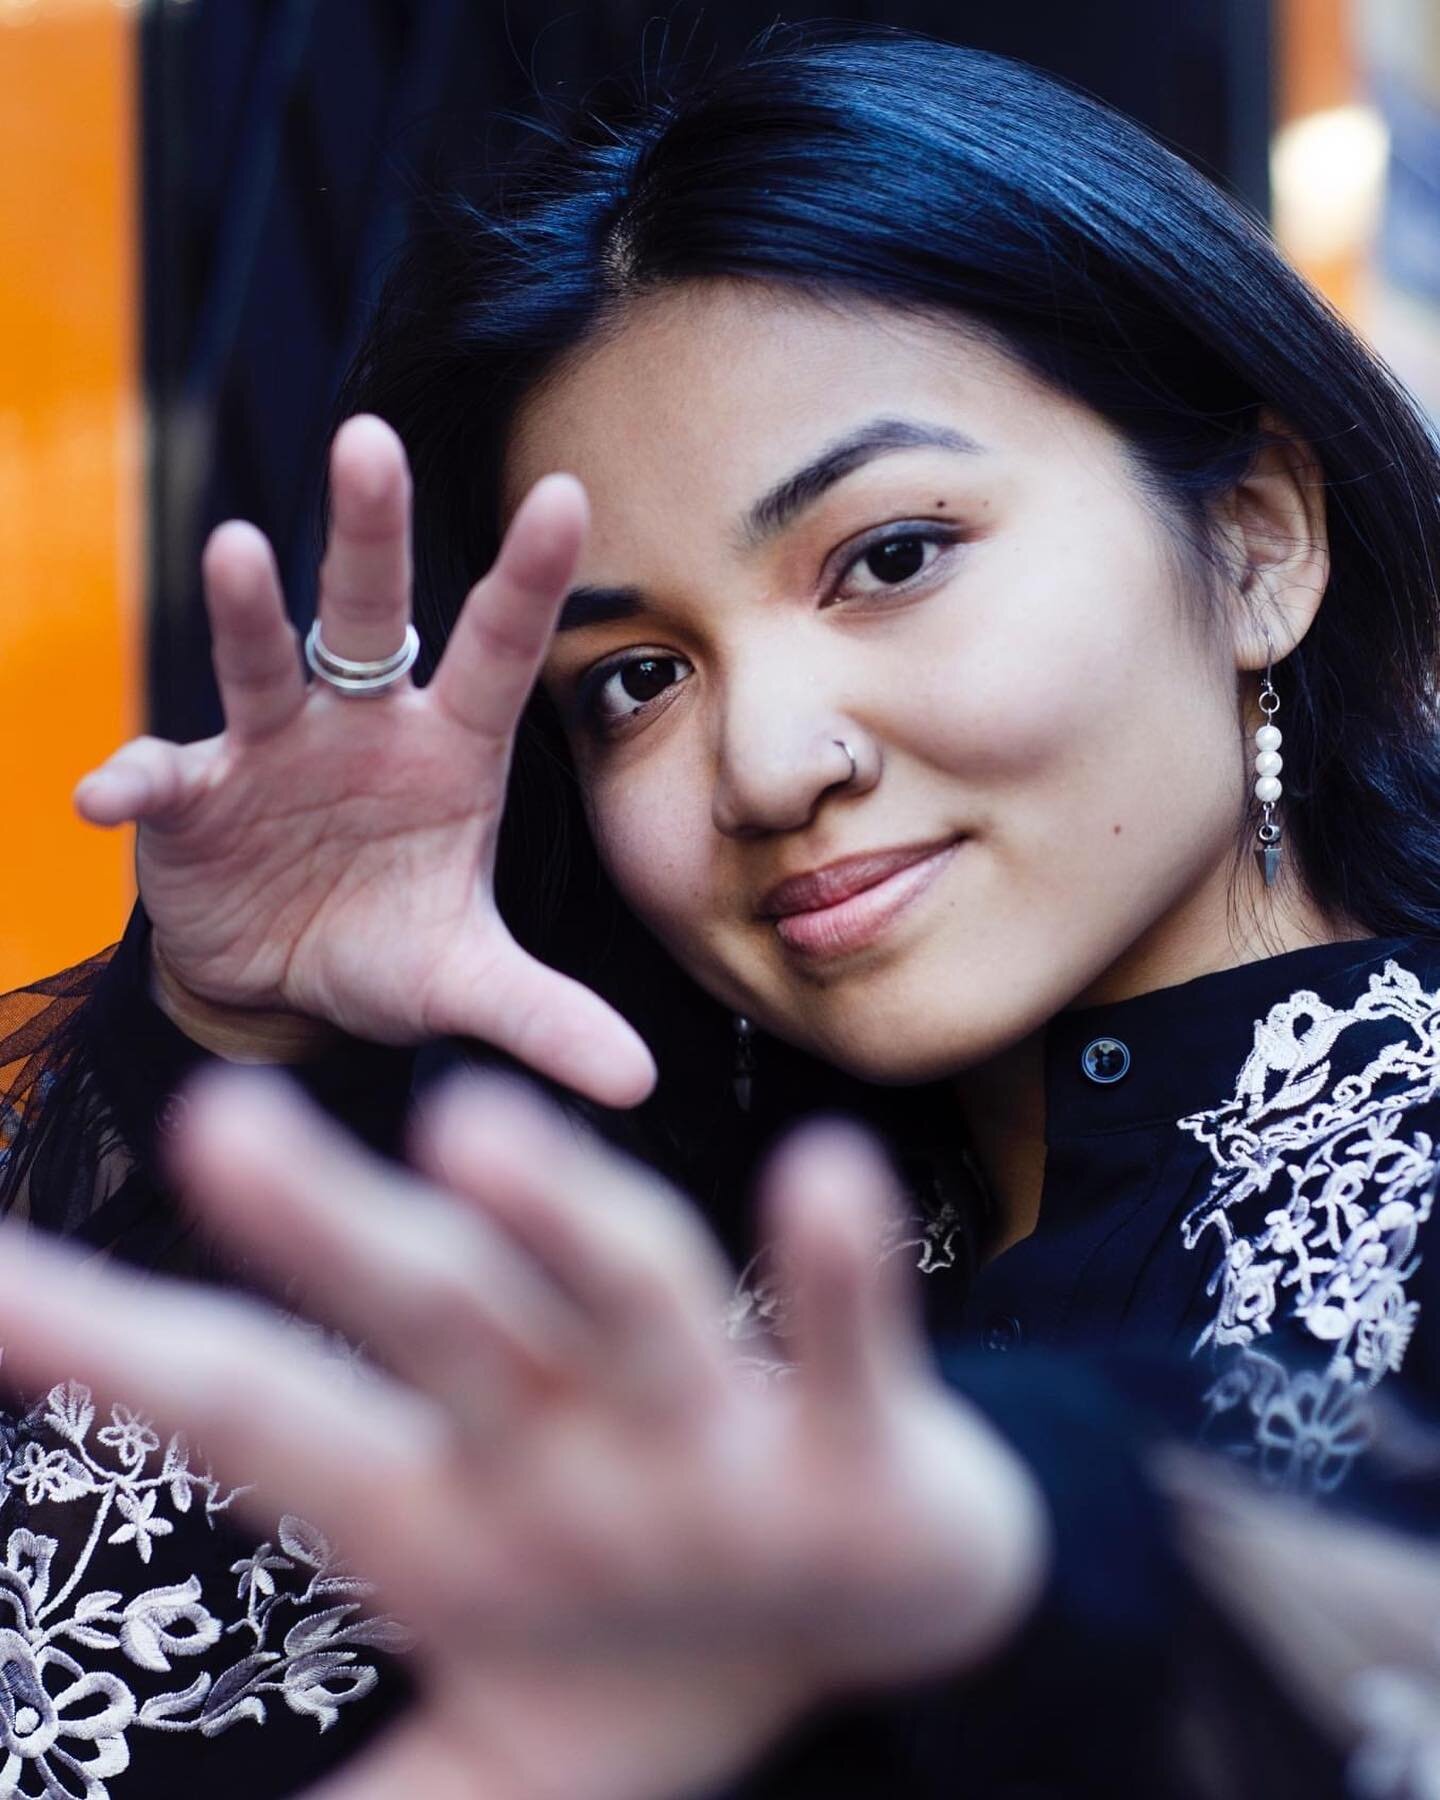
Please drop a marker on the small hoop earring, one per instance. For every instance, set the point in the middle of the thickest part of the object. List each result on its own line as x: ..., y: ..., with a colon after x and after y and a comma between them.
x: 1268, y: 764
x: 742, y: 1078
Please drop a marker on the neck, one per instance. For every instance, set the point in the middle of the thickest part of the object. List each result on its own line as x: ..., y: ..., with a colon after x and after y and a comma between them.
x: 1002, y: 1100
x: 1003, y: 1104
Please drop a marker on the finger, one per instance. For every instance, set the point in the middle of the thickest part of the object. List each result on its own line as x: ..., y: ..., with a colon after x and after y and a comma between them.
x: 549, y: 1021
x: 416, y: 1758
x: 254, y: 647
x: 607, y: 1230
x: 266, y: 1404
x: 364, y: 593
x: 496, y: 647
x: 829, y: 1199
x: 434, y: 1289
x: 148, y: 778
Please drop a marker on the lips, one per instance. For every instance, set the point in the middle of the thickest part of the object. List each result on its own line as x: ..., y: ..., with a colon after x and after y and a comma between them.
x: 830, y: 914
x: 838, y: 881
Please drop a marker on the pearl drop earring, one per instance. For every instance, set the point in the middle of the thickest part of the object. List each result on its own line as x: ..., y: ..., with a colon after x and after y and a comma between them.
x: 1268, y: 764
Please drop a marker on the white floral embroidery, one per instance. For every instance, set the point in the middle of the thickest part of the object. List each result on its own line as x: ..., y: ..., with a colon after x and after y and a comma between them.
x: 140, y: 1525
x: 1320, y: 1191
x: 63, y: 1727
x: 54, y: 1739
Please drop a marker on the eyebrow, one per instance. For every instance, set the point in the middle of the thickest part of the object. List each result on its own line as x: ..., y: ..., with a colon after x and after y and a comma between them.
x: 783, y: 503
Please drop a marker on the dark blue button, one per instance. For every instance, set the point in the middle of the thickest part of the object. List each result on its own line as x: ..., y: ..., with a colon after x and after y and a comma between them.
x: 1105, y: 1059
x: 1002, y: 1332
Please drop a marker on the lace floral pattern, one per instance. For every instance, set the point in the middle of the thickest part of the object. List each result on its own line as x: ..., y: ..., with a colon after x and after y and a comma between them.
x: 1321, y: 1187
x: 82, y: 1667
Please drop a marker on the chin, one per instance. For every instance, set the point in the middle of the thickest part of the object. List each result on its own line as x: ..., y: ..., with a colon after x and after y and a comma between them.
x: 930, y: 1025
x: 908, y: 1052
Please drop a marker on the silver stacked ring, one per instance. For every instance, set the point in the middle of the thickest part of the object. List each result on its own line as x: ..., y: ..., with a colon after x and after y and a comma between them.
x: 361, y: 679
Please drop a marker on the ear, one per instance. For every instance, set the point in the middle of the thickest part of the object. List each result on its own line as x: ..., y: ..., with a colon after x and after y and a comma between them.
x: 1273, y: 520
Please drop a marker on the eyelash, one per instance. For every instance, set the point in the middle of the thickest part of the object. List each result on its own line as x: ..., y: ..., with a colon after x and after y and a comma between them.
x: 944, y: 537
x: 587, y: 694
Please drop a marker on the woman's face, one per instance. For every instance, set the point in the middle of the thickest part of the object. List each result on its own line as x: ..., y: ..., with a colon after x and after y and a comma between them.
x: 994, y: 621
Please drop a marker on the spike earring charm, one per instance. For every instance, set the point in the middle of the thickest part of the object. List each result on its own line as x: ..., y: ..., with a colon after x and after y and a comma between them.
x: 743, y: 1079
x: 1268, y: 764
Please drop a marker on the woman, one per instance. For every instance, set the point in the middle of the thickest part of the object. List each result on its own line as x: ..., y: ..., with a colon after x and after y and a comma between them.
x: 969, y: 501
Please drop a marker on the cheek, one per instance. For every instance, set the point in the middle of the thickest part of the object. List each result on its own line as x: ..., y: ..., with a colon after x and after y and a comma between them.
x: 1063, y: 702
x: 653, y: 834
x: 1003, y: 689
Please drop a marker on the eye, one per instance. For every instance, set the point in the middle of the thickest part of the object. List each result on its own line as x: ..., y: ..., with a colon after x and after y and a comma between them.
x: 897, y: 560
x: 617, y: 691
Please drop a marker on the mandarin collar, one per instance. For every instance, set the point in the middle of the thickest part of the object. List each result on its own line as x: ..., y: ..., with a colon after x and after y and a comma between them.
x: 1184, y: 1046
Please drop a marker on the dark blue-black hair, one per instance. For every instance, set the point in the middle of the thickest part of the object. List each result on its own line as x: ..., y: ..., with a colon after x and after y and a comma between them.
x: 917, y: 173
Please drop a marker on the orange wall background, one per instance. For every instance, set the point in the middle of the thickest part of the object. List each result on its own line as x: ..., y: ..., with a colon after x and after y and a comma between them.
x: 70, y: 467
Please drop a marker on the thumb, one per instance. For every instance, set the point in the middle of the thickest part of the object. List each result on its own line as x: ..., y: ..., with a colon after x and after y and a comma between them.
x: 549, y: 1021
x: 144, y: 779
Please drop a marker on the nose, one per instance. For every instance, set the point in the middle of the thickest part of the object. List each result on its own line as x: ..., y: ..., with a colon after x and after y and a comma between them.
x: 780, y: 753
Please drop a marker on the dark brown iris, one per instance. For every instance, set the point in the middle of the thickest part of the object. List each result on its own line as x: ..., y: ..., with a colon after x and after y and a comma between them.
x: 647, y: 676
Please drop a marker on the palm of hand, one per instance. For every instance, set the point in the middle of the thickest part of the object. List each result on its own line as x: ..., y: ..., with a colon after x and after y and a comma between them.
x: 663, y: 1563
x: 738, y: 1580
x: 339, y: 868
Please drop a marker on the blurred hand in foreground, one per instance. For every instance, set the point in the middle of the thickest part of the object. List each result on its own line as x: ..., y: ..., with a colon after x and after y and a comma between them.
x: 629, y: 1567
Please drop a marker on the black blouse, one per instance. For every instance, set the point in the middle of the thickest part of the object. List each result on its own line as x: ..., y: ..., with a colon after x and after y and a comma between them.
x: 1231, y: 1250
x: 1241, y: 1168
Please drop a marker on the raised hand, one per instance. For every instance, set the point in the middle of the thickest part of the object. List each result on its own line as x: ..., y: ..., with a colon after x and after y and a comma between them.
x: 331, y: 856
x: 629, y: 1567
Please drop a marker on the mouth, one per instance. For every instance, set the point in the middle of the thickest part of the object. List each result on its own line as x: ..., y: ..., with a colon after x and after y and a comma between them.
x: 862, y: 902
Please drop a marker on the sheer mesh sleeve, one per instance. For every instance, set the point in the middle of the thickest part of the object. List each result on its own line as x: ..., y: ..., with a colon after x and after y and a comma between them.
x: 62, y: 1156
x: 89, y: 1072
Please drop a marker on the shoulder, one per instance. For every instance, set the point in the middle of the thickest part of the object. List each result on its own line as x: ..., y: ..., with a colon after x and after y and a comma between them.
x: 1325, y: 1161
x: 34, y: 1035
x: 1331, y: 1069
x: 1369, y: 1032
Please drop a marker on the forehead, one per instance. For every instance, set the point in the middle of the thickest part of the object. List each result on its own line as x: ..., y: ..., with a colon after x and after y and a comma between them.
x: 702, y: 391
